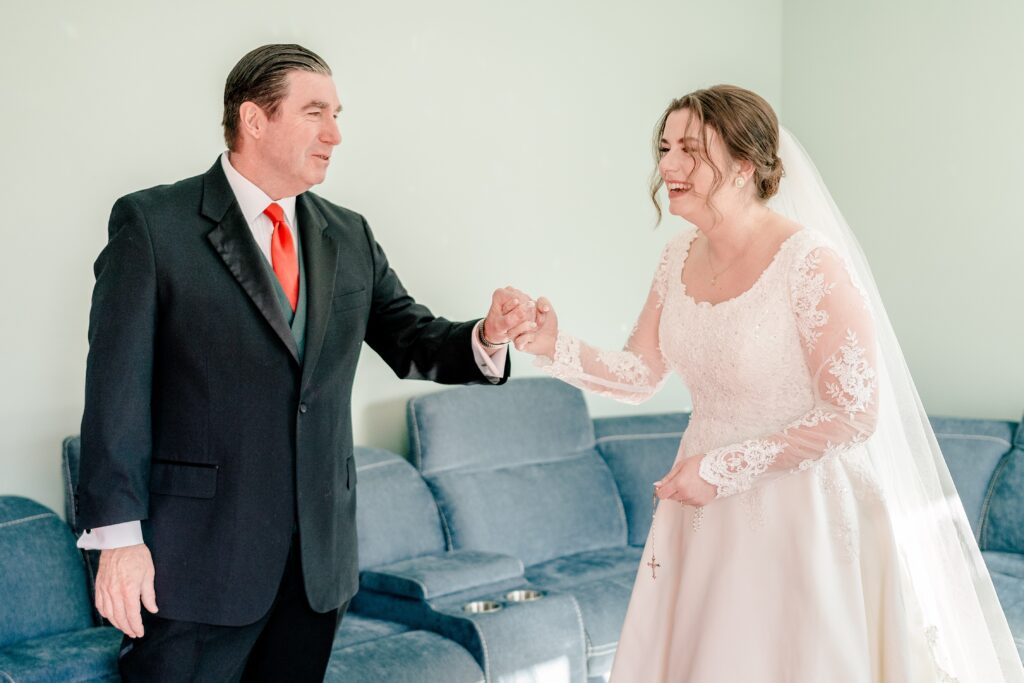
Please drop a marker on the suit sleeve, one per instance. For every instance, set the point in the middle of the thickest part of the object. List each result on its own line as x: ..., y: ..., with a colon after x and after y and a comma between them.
x: 116, y: 424
x: 413, y: 341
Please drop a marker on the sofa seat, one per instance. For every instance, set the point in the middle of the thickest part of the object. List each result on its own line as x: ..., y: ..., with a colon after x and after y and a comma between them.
x: 356, y: 629
x: 403, y: 657
x: 1007, y: 570
x: 601, y: 581
x: 87, y: 655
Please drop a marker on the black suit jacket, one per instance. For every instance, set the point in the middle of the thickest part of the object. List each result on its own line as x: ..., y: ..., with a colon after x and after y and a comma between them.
x: 199, y: 419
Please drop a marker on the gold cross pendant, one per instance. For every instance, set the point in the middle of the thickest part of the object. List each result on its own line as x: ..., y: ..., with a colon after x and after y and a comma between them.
x: 653, y: 564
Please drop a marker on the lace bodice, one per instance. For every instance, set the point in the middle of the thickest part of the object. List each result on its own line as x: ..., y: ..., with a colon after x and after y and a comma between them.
x: 780, y: 375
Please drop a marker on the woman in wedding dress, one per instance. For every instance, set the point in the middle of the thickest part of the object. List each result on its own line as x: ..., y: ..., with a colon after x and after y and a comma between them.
x: 809, y: 530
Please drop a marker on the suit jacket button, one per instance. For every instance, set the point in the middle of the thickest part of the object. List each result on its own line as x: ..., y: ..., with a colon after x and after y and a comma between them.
x: 303, y: 408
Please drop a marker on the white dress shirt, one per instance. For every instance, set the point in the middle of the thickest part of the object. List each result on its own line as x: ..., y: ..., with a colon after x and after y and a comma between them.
x: 252, y: 201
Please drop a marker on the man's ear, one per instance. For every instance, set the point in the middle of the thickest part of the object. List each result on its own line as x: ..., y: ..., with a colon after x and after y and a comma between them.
x: 253, y: 120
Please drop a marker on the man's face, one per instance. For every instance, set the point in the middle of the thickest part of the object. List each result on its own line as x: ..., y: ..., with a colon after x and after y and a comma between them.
x: 297, y: 145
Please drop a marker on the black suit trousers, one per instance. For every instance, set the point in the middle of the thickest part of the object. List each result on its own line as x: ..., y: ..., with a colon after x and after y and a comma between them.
x: 291, y: 642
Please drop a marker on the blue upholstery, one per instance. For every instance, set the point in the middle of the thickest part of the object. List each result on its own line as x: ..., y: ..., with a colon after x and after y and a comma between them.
x: 86, y: 655
x: 432, y: 576
x: 46, y: 625
x: 42, y: 579
x: 540, y: 421
x: 396, y: 516
x: 500, y: 463
x: 1007, y: 571
x: 639, y: 451
x: 1004, y: 527
x: 410, y: 657
x: 973, y: 449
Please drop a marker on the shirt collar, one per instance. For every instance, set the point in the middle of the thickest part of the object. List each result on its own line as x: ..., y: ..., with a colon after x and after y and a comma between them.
x: 251, y: 199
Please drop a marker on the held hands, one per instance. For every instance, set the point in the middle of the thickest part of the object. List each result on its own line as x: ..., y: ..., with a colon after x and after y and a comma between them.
x: 126, y: 575
x: 511, y: 314
x: 683, y: 483
x: 515, y: 317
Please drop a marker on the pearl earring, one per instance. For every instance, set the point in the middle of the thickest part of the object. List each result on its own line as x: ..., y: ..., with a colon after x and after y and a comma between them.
x: 740, y: 182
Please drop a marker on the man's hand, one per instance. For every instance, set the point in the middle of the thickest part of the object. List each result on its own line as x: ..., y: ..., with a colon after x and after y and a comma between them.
x: 125, y: 575
x: 511, y: 314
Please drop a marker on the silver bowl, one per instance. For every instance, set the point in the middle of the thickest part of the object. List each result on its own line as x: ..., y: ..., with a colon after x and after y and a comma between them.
x: 481, y: 607
x: 524, y: 595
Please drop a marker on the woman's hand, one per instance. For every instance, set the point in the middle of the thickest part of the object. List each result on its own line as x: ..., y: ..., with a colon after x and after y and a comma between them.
x: 541, y: 341
x: 683, y: 483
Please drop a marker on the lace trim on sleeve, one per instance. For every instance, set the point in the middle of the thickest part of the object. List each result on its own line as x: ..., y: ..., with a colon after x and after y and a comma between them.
x: 857, y: 380
x: 628, y: 367
x: 808, y: 289
x: 733, y: 469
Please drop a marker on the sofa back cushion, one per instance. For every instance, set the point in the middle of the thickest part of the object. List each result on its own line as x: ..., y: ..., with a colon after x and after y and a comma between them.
x: 42, y: 580
x: 396, y: 516
x: 639, y: 450
x: 1003, y: 530
x: 973, y: 449
x: 514, y: 469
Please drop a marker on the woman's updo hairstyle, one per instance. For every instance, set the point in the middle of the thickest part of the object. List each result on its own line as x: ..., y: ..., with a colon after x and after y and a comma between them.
x: 747, y: 125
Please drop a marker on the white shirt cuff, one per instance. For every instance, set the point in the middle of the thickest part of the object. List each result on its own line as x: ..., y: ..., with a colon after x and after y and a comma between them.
x: 112, y: 536
x: 487, y: 363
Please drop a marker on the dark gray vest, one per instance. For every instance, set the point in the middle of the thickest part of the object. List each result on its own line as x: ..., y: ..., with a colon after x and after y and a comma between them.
x: 297, y: 319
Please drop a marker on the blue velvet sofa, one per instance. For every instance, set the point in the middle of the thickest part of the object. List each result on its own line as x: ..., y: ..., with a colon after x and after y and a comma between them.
x: 505, y: 550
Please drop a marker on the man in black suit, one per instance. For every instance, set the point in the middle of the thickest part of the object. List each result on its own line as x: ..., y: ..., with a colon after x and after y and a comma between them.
x: 227, y: 320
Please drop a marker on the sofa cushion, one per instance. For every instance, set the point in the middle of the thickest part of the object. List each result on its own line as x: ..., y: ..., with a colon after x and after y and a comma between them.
x: 514, y: 470
x: 431, y: 576
x: 601, y: 582
x: 396, y: 516
x: 42, y: 578
x: 1003, y: 529
x: 1007, y: 570
x: 86, y: 655
x: 411, y: 657
x: 533, y: 512
x: 356, y: 629
x: 639, y: 450
x: 525, y: 421
x: 972, y: 450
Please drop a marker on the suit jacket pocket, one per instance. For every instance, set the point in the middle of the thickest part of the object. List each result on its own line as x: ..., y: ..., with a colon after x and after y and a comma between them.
x: 350, y: 472
x: 349, y: 300
x: 188, y: 479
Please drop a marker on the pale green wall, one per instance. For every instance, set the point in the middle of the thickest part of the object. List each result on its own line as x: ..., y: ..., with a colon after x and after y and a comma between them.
x: 913, y: 112
x: 488, y: 144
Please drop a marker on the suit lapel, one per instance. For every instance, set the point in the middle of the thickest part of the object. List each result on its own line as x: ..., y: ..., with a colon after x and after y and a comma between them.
x: 233, y: 240
x: 321, y: 254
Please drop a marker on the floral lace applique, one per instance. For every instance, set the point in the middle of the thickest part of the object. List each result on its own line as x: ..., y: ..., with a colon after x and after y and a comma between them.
x: 808, y: 291
x: 661, y: 274
x: 733, y: 469
x: 628, y: 367
x: 857, y: 379
x: 931, y: 634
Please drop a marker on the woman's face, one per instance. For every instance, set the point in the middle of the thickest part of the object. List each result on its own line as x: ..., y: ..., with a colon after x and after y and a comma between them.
x: 688, y: 178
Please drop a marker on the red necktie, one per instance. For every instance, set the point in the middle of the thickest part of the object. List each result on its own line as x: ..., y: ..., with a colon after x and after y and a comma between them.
x: 282, y: 254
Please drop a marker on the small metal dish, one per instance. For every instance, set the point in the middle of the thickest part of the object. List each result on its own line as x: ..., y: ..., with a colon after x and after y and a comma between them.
x: 481, y: 607
x: 524, y: 595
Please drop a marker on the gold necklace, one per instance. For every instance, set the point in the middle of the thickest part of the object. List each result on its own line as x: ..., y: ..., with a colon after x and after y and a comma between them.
x: 714, y: 275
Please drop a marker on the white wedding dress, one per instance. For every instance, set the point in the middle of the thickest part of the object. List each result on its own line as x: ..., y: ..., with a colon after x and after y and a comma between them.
x: 792, y: 574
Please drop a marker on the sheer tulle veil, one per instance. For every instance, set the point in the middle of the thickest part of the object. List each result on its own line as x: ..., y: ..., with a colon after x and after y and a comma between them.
x: 946, y: 584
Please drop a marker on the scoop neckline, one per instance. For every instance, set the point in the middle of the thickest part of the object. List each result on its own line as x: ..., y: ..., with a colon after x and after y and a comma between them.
x: 707, y: 304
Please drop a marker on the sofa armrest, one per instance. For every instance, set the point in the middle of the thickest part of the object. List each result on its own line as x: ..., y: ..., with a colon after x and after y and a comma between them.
x: 433, y: 576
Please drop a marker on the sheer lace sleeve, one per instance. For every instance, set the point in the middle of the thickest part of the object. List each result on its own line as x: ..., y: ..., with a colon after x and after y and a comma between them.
x: 631, y: 375
x: 838, y: 339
